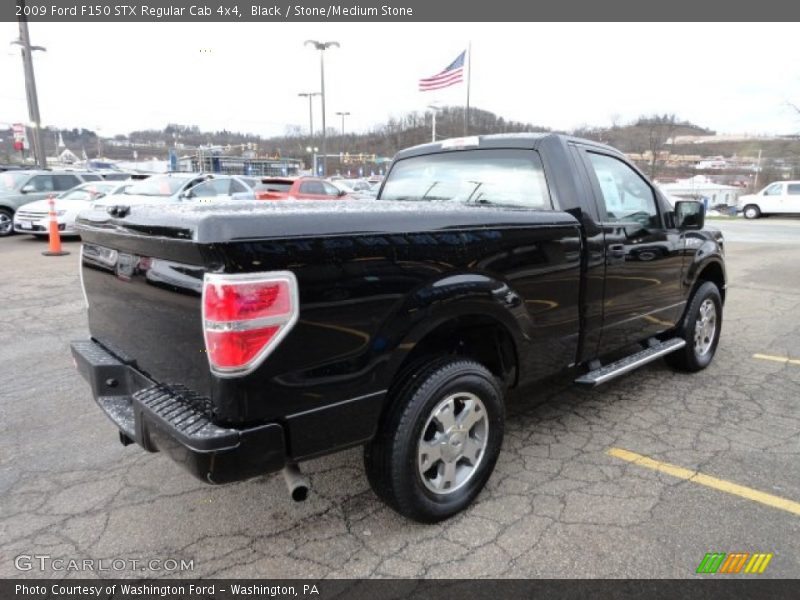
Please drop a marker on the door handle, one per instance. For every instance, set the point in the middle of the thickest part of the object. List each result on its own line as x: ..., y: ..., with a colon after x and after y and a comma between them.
x: 616, y: 251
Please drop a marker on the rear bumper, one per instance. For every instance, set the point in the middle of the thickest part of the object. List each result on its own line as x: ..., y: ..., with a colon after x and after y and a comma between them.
x: 175, y: 421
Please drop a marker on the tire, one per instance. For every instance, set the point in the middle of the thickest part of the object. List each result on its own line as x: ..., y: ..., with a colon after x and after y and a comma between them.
x: 6, y: 222
x: 448, y: 390
x: 701, y: 338
x: 751, y: 211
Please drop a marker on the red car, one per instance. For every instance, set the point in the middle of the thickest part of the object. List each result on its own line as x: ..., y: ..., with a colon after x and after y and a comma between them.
x: 297, y: 188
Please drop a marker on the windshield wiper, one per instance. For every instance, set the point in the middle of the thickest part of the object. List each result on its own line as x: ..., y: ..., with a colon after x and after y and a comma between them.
x: 478, y: 184
x: 433, y: 185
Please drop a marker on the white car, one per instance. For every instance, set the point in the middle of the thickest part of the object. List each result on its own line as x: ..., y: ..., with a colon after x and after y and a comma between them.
x: 33, y: 217
x: 781, y: 197
x: 157, y: 189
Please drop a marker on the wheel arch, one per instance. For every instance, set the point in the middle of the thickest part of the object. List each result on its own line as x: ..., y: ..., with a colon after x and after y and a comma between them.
x: 713, y: 270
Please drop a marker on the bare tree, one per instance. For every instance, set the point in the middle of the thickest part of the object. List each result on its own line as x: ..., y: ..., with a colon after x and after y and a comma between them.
x: 660, y: 130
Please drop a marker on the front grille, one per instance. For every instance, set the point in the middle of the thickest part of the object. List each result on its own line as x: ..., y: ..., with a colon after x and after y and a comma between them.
x: 30, y: 214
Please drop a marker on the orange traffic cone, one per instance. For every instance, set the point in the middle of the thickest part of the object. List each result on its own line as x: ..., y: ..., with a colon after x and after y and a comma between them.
x: 54, y: 248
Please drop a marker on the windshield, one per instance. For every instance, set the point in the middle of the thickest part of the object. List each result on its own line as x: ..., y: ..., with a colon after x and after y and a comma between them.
x: 89, y: 191
x: 343, y: 186
x: 503, y: 177
x: 10, y: 181
x: 157, y: 186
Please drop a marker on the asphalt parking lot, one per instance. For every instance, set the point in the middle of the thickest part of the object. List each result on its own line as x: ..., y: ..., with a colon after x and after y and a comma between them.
x: 562, y: 502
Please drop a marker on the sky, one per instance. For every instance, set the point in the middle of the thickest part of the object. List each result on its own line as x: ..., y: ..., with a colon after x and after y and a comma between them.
x: 118, y: 77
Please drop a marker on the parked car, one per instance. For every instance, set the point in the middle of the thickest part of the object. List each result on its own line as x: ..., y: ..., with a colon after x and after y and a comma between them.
x: 157, y: 189
x: 298, y: 188
x: 293, y: 330
x: 22, y: 187
x: 358, y: 185
x: 345, y: 186
x: 223, y: 187
x: 33, y: 217
x: 781, y: 197
x: 110, y: 175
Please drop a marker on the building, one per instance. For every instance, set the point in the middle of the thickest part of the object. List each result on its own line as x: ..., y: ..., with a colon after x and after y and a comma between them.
x: 214, y: 162
x: 703, y: 189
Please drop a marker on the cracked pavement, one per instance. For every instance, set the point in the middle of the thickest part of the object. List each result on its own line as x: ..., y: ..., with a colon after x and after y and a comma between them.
x: 556, y: 506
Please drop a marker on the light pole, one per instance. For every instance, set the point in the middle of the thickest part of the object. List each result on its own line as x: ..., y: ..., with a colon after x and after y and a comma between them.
x: 24, y: 42
x: 313, y: 150
x: 310, y: 96
x: 343, y: 115
x: 322, y: 46
x: 434, y: 109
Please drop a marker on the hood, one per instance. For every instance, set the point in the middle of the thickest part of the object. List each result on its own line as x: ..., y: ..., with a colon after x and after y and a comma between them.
x: 133, y: 200
x: 44, y: 205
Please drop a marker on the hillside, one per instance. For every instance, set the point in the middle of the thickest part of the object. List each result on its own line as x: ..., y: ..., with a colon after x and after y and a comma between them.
x: 647, y: 139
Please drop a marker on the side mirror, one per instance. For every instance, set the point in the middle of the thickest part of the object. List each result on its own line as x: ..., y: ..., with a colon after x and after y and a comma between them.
x: 342, y: 193
x: 27, y: 189
x: 689, y: 215
x: 187, y: 195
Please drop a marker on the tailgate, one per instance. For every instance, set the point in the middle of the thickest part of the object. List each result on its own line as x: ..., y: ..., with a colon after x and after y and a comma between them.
x: 144, y: 304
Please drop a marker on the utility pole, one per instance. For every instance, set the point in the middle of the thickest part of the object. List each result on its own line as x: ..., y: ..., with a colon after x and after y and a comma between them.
x: 322, y: 46
x: 24, y: 42
x: 758, y: 169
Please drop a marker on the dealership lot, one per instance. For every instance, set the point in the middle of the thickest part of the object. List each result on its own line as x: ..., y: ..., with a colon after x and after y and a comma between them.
x: 563, y: 502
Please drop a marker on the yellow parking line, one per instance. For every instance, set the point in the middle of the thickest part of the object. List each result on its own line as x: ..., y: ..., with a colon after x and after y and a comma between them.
x: 706, y: 480
x: 781, y: 359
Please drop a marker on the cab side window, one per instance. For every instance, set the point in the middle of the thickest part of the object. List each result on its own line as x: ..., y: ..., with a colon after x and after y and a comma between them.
x: 774, y: 190
x: 312, y: 187
x: 794, y: 189
x: 65, y: 182
x: 627, y: 197
x: 42, y: 183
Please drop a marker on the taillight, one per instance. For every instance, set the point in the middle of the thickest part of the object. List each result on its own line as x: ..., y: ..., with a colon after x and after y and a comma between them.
x: 245, y: 316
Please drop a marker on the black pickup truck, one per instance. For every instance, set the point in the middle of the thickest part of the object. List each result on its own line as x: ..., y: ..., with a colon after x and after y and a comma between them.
x: 243, y: 339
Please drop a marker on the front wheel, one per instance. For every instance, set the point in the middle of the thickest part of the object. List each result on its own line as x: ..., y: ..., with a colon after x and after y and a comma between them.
x: 701, y: 327
x: 6, y: 222
x: 440, y: 440
x: 751, y: 211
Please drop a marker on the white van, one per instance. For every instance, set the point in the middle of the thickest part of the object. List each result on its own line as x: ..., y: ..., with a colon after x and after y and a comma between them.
x: 781, y: 197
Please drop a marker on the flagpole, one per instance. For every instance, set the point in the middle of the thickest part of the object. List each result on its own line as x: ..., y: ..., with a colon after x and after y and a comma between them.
x: 469, y: 81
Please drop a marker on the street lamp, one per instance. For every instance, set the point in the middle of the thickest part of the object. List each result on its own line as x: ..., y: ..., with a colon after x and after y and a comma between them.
x: 310, y: 96
x: 322, y: 46
x: 343, y: 115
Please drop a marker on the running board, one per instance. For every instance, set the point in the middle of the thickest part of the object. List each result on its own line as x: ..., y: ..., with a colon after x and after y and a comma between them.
x: 629, y: 363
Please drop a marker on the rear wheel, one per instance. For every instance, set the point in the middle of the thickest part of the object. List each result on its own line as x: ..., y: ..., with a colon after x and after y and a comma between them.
x: 701, y: 327
x: 438, y: 444
x: 6, y: 222
x: 751, y: 211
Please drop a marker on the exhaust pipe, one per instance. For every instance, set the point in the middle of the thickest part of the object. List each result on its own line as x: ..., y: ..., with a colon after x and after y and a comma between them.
x: 296, y: 482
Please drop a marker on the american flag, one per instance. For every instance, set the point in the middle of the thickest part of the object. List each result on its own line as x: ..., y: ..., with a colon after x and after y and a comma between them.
x: 453, y: 74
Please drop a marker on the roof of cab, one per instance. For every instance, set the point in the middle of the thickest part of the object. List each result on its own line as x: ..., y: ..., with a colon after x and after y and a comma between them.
x: 497, y: 140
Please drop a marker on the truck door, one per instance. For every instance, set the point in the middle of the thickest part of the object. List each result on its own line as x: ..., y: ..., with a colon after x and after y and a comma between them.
x: 791, y: 201
x: 642, y: 295
x: 772, y: 199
